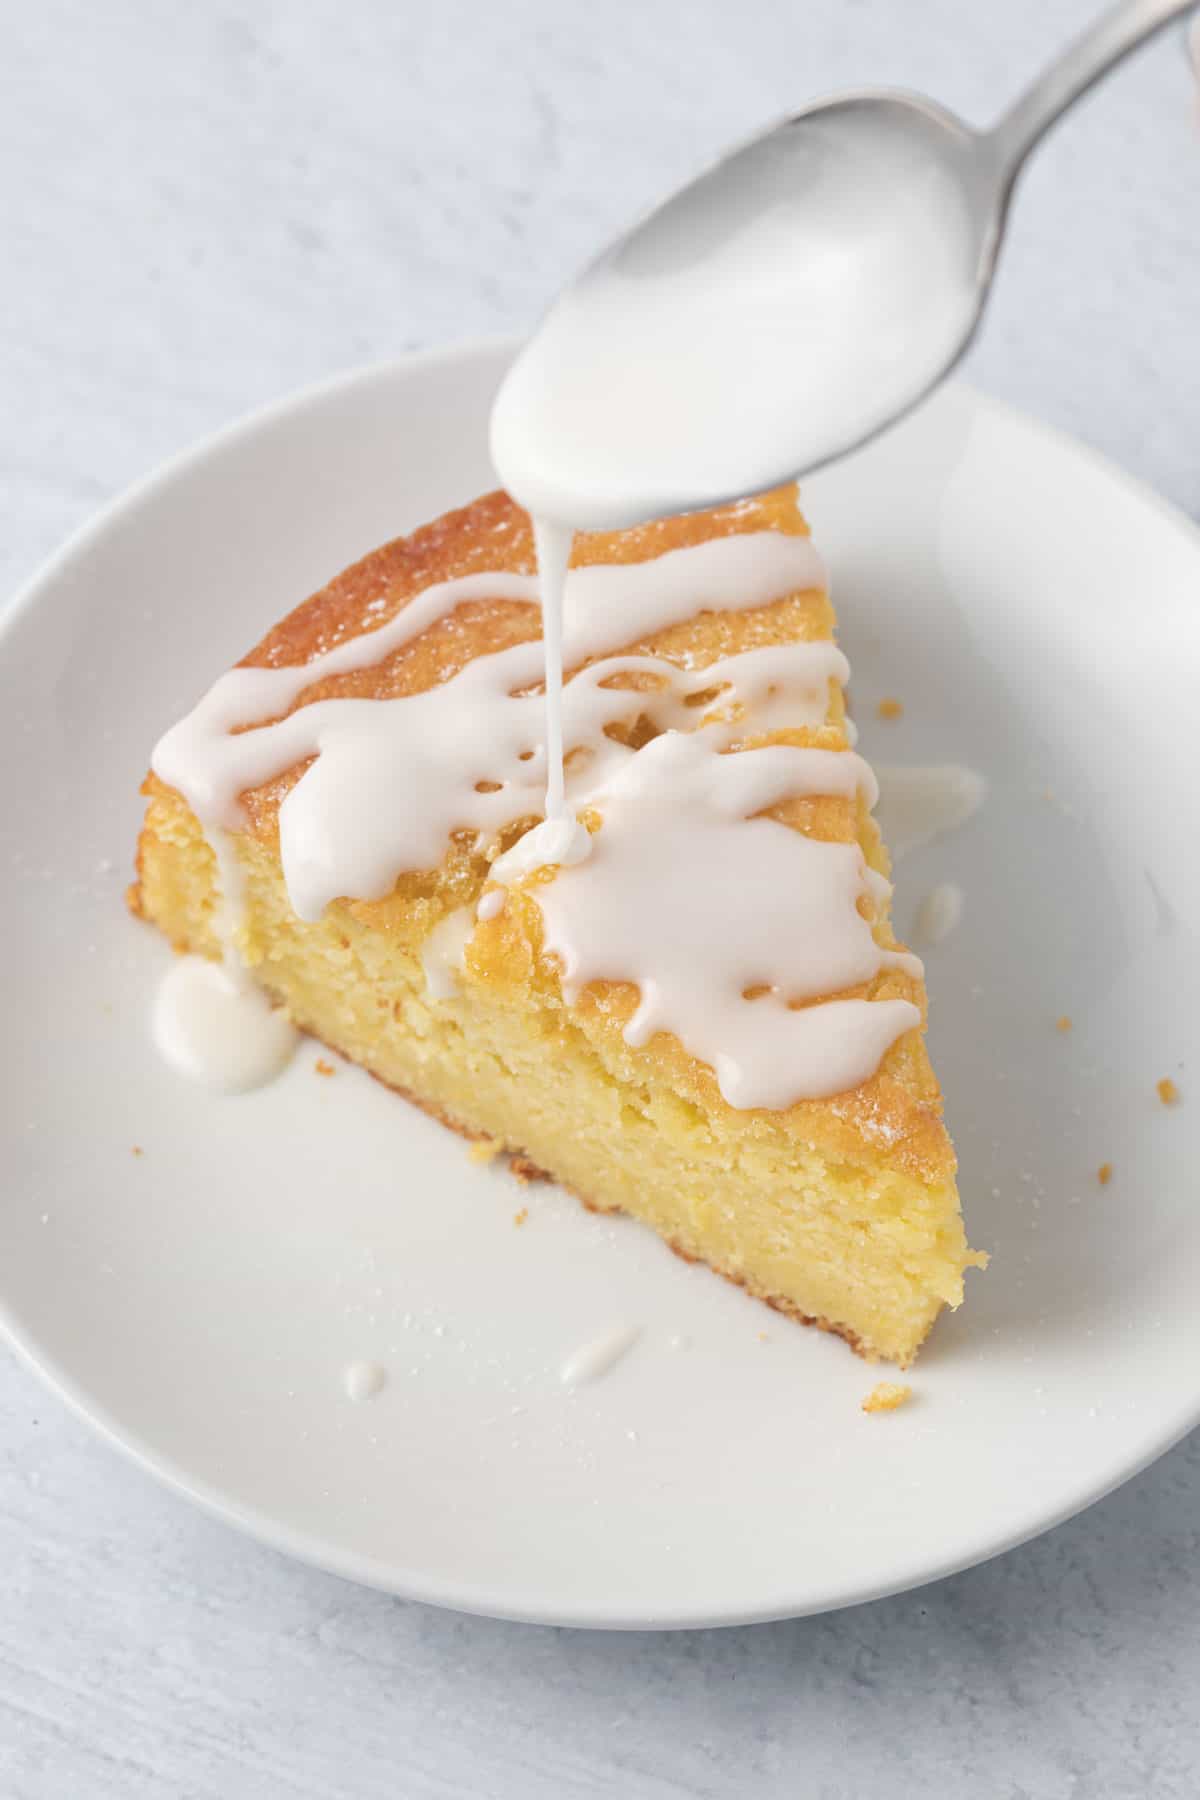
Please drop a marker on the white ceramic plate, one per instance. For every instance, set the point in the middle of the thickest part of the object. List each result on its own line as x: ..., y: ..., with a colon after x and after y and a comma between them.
x: 1037, y: 613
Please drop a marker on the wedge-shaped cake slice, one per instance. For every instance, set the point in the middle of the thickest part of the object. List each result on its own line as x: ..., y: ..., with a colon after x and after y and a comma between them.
x: 706, y: 1022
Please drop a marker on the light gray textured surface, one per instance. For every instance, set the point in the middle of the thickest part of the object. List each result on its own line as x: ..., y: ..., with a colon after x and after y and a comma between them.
x: 204, y: 207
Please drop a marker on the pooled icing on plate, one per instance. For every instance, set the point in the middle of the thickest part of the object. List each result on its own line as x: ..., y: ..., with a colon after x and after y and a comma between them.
x: 218, y: 1028
x: 600, y: 1354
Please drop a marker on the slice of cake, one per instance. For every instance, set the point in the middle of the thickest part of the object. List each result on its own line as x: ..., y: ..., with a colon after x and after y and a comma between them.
x: 706, y: 1022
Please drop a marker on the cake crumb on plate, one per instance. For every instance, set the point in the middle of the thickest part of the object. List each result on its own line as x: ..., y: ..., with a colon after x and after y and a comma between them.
x: 890, y: 709
x: 1104, y: 1174
x: 1063, y: 1023
x: 1168, y: 1093
x: 519, y: 1218
x: 324, y: 1068
x: 886, y: 1396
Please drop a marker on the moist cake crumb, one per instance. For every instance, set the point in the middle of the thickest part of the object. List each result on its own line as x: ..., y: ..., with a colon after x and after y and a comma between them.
x: 484, y: 1150
x: 886, y: 1396
x: 1104, y: 1174
x: 1168, y: 1093
x: 324, y: 1068
x: 891, y: 709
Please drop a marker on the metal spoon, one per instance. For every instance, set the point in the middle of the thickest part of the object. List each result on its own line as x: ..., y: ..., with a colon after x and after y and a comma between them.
x: 799, y: 297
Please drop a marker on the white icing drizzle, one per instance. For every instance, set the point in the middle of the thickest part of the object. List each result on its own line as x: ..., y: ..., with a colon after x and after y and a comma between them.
x: 216, y: 1027
x: 212, y: 761
x: 560, y: 841
x: 341, y: 831
x: 696, y: 900
x: 598, y: 1355
x: 231, y: 901
x: 683, y: 891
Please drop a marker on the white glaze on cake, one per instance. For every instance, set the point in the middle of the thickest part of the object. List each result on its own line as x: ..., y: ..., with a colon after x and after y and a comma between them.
x: 340, y: 831
x: 697, y: 899
x: 683, y: 890
x: 938, y: 913
x: 491, y: 904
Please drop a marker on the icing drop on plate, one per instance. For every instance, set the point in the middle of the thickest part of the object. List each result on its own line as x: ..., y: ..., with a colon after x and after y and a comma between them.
x: 559, y: 841
x: 443, y: 950
x: 363, y: 1380
x: 598, y: 1355
x: 700, y: 902
x: 218, y: 1030
x: 938, y: 913
x: 920, y: 803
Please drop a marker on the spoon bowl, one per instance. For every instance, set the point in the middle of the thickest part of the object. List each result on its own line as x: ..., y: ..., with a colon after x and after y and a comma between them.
x: 796, y: 299
x: 807, y: 290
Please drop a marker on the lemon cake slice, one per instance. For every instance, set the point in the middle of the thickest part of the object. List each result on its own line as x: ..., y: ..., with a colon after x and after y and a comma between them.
x: 683, y: 998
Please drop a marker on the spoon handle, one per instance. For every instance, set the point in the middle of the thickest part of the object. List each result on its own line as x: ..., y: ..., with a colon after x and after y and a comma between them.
x: 1112, y: 37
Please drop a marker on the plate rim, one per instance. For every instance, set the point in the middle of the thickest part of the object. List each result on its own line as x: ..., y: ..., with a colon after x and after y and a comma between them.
x: 471, y: 1597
